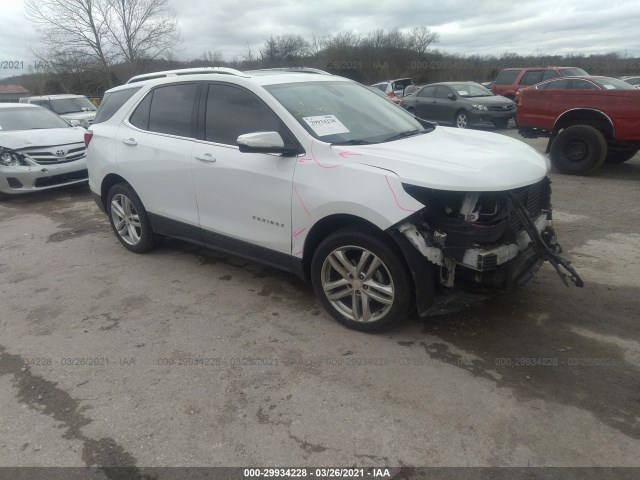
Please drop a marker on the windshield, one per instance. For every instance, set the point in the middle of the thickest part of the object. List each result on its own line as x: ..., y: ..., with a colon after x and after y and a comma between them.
x: 573, y: 72
x: 72, y: 105
x: 471, y: 90
x: 29, y: 118
x: 613, y: 83
x: 344, y: 112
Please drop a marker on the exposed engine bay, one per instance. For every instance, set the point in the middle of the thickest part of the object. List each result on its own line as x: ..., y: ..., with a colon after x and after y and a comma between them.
x: 493, y: 239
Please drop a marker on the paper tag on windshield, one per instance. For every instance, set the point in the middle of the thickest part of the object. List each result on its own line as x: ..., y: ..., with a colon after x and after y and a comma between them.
x: 463, y: 93
x: 326, y: 125
x: 610, y: 87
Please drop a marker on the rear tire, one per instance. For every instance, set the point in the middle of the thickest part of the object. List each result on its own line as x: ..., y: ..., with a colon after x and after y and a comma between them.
x: 129, y: 219
x: 578, y: 150
x: 616, y: 156
x: 360, y: 279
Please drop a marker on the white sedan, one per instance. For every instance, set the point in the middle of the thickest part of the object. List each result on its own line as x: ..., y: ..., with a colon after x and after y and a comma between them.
x: 38, y: 150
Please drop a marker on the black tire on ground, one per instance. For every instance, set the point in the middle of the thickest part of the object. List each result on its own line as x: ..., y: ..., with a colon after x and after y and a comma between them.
x: 134, y: 228
x: 344, y: 267
x: 578, y: 150
x: 411, y: 110
x: 616, y: 156
x: 4, y: 196
x: 461, y: 120
x: 501, y: 123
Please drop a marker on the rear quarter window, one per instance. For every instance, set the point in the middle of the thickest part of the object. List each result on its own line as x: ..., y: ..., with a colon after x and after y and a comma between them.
x: 112, y: 102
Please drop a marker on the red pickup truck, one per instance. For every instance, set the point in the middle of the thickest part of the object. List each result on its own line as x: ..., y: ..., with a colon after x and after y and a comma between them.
x: 589, y: 121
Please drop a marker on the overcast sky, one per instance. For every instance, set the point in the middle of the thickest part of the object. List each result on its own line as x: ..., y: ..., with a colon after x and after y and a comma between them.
x: 465, y: 26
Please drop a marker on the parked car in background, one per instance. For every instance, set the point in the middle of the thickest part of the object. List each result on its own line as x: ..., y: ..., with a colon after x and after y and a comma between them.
x: 395, y: 89
x: 38, y: 150
x: 510, y: 80
x: 76, y: 109
x: 313, y: 174
x: 635, y: 81
x: 380, y: 94
x: 589, y: 120
x: 461, y: 104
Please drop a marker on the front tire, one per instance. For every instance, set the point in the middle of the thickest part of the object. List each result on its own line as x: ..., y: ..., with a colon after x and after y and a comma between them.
x: 129, y: 219
x: 578, y: 150
x: 361, y: 280
x: 461, y: 120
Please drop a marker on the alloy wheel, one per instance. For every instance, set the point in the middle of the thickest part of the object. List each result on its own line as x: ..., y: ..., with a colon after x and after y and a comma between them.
x: 357, y: 284
x: 126, y: 219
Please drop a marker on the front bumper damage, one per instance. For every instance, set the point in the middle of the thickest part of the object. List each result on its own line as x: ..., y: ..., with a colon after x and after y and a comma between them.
x: 502, y: 252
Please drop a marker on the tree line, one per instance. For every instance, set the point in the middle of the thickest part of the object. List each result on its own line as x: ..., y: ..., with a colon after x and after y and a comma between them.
x: 88, y: 46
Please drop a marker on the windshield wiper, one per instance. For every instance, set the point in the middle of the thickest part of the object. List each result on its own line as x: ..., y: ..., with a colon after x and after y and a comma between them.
x: 353, y: 142
x: 408, y: 133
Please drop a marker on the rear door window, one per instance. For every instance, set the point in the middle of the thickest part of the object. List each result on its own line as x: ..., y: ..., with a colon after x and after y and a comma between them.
x: 582, y: 85
x: 427, y: 92
x: 549, y: 74
x: 557, y: 85
x: 507, y: 77
x: 531, y: 77
x: 172, y: 109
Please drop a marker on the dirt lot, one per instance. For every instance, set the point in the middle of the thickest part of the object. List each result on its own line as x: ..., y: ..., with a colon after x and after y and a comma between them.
x: 98, y: 346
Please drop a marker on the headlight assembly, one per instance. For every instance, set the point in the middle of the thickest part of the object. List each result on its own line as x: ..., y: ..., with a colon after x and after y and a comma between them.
x: 480, y: 107
x: 9, y: 158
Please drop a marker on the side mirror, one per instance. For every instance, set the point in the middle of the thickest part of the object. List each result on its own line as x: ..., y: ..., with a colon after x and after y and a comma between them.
x: 451, y: 96
x: 264, y: 142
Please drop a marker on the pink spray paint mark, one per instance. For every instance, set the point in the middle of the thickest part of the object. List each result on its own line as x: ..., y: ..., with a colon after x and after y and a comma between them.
x: 297, y: 233
x: 396, y: 198
x: 298, y: 254
x: 313, y: 157
x: 348, y: 154
x: 300, y: 199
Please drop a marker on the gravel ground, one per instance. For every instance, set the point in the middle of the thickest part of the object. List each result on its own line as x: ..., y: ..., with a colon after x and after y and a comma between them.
x: 97, y: 350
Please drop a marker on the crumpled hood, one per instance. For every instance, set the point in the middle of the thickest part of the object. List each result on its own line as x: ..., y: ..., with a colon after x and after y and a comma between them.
x: 16, y: 140
x: 455, y: 159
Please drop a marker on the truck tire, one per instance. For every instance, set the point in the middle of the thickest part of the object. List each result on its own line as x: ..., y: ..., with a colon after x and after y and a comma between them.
x: 616, y: 156
x: 578, y: 150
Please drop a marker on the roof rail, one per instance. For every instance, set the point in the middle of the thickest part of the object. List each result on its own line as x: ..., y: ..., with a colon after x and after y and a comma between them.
x: 186, y: 71
x: 292, y: 70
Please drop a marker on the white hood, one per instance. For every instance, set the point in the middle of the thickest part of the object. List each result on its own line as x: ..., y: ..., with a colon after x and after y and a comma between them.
x: 455, y: 159
x: 18, y: 139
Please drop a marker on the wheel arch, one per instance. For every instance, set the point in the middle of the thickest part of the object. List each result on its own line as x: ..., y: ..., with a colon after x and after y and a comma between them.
x: 586, y: 116
x: 107, y: 182
x: 324, y: 227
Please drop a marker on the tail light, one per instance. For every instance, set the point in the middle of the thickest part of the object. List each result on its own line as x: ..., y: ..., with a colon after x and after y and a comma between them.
x: 88, y: 135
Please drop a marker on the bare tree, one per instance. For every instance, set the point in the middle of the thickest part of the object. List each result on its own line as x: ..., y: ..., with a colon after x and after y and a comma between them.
x: 422, y: 37
x: 141, y: 29
x: 73, y: 29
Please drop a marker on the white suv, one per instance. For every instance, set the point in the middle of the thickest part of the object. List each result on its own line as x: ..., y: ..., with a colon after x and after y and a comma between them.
x: 316, y: 174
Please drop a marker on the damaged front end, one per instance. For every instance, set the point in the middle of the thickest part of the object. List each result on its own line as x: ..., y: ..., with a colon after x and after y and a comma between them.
x: 497, y: 240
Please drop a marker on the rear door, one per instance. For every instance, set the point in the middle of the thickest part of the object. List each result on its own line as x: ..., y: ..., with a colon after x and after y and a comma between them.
x: 444, y: 107
x: 425, y: 101
x: 154, y: 149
